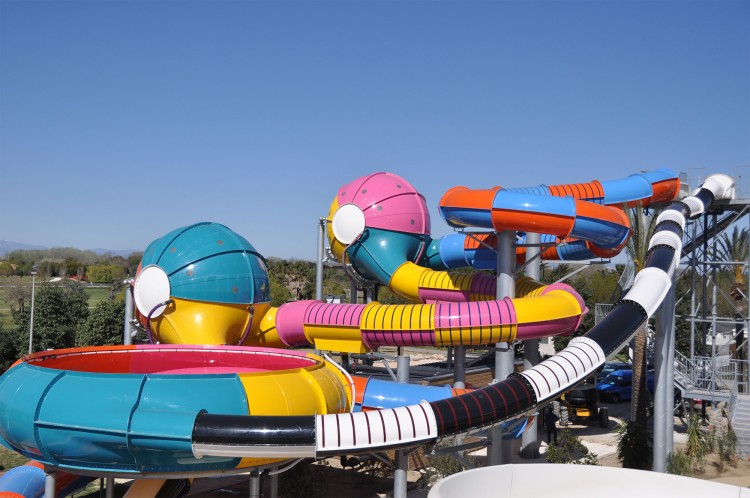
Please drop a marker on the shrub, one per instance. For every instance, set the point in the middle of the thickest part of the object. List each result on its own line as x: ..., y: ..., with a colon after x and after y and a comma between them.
x: 632, y: 446
x: 697, y: 440
x: 570, y: 449
x: 679, y: 463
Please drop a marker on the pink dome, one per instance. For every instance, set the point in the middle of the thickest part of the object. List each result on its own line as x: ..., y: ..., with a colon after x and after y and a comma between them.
x: 388, y: 202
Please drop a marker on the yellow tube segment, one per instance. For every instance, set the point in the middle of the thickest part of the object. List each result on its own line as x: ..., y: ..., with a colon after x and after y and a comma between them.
x: 399, y: 317
x: 198, y: 322
x: 476, y: 335
x: 528, y: 287
x: 446, y: 280
x: 409, y: 278
x: 405, y: 280
x: 335, y: 338
x: 554, y: 305
x: 266, y: 334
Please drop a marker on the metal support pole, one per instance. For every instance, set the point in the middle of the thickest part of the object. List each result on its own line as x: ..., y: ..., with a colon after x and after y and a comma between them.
x: 319, y: 266
x: 273, y: 481
x: 353, y: 290
x: 49, y: 483
x: 402, y: 456
x: 459, y: 367
x: 31, y: 319
x: 693, y: 276
x: 529, y: 439
x: 254, y: 484
x: 663, y: 411
x: 500, y: 451
x: 704, y: 298
x: 714, y: 277
x: 127, y: 331
x: 109, y: 488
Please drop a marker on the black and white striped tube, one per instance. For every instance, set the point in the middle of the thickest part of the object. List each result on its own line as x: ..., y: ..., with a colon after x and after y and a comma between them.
x: 346, y: 433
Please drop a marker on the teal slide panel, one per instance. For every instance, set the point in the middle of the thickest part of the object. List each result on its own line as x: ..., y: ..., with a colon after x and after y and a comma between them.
x: 155, y: 249
x: 20, y: 390
x: 162, y: 426
x: 378, y: 253
x: 197, y: 242
x: 220, y: 278
x: 83, y: 420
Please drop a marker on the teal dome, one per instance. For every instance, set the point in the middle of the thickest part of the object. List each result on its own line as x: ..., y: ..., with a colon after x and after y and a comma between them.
x: 209, y: 262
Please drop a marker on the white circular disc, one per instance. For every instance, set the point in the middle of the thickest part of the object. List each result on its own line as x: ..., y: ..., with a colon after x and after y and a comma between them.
x: 348, y: 223
x: 151, y: 288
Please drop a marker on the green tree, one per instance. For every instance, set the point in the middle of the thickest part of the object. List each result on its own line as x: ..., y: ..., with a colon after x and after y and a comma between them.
x: 57, y: 311
x: 735, y: 248
x: 104, y: 325
x: 279, y: 293
x: 106, y: 273
x: 10, y: 339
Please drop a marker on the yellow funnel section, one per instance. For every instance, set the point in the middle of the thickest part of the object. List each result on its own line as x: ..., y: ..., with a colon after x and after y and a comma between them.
x: 196, y: 322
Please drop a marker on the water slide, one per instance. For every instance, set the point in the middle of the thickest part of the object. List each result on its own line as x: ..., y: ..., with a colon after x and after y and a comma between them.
x: 426, y: 422
x: 143, y: 437
x: 380, y: 224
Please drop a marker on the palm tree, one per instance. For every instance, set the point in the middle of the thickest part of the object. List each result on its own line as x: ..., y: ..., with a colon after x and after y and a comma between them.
x: 642, y: 226
x: 735, y: 248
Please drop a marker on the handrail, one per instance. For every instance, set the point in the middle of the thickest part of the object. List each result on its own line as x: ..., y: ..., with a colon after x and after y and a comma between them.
x: 710, y: 374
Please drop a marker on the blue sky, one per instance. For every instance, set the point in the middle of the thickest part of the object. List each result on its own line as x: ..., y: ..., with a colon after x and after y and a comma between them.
x: 122, y: 120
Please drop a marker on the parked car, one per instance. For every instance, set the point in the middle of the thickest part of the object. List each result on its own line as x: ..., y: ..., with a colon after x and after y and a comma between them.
x: 618, y: 385
x: 612, y: 366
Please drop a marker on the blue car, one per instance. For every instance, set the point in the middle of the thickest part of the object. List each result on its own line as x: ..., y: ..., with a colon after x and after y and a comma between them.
x: 612, y: 366
x: 619, y: 385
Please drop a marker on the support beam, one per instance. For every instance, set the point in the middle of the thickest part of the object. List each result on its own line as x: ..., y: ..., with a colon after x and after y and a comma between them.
x: 500, y: 450
x: 254, y: 491
x: 273, y: 480
x: 459, y: 367
x: 664, y: 380
x: 533, y: 269
x: 127, y: 331
x: 50, y: 480
x: 402, y: 456
x: 321, y: 255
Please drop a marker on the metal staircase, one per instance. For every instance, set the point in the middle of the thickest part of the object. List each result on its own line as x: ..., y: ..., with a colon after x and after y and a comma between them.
x: 706, y: 378
x: 739, y: 416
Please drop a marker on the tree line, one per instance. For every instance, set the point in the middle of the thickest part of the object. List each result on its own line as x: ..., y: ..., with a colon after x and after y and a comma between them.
x: 68, y: 262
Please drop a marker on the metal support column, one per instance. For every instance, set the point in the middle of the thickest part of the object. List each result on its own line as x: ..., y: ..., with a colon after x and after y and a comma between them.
x: 109, y: 489
x: 459, y: 367
x: 663, y: 410
x: 127, y: 331
x: 530, y: 439
x: 402, y: 456
x: 319, y: 266
x: 50, y: 478
x: 273, y: 481
x: 353, y: 290
x: 500, y: 451
x: 254, y: 485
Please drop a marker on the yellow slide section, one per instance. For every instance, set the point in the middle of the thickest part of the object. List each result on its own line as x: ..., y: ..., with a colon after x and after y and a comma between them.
x: 409, y: 278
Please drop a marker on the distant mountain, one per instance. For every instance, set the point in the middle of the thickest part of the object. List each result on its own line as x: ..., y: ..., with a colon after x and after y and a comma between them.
x: 7, y: 246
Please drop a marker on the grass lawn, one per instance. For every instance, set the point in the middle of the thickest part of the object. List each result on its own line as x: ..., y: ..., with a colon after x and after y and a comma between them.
x: 95, y: 295
x: 10, y: 459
